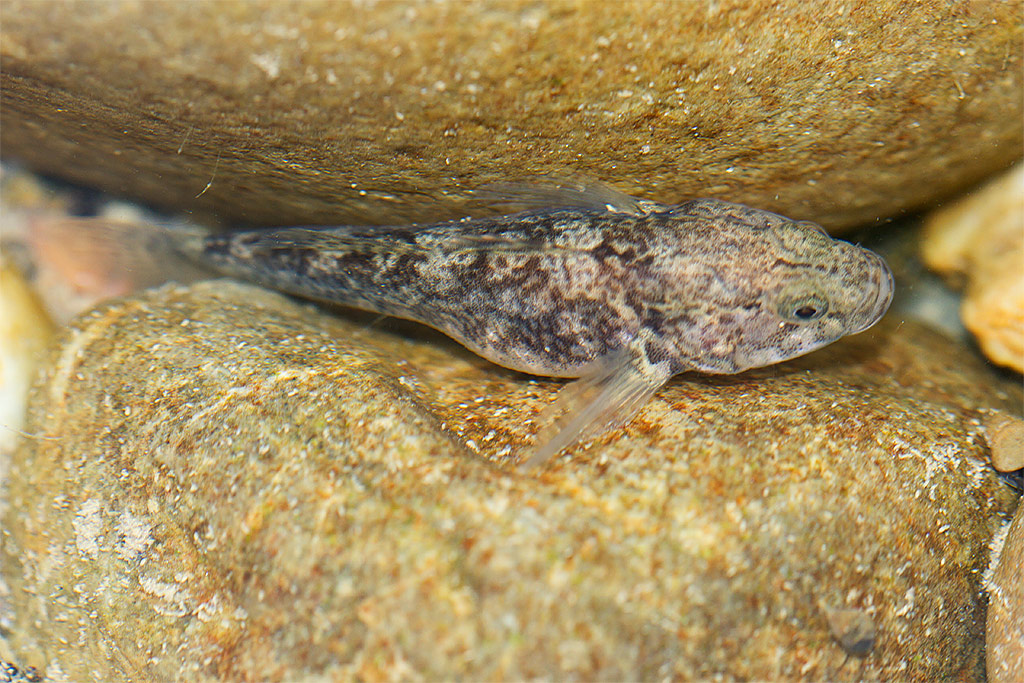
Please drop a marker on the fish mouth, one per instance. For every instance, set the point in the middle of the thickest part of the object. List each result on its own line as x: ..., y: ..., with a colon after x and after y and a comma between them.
x: 879, y: 294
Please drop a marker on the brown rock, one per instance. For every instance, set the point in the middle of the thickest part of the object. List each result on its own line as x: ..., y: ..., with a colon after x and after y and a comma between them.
x: 1005, y: 436
x: 235, y: 486
x: 25, y: 327
x: 326, y: 112
x: 1005, y: 638
x: 25, y: 332
x: 980, y: 239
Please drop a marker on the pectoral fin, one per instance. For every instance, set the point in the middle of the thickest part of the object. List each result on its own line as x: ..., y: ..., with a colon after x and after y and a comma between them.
x: 609, y: 395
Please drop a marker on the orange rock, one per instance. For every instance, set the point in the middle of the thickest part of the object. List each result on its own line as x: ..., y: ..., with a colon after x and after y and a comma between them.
x: 25, y: 332
x: 1005, y: 622
x: 1005, y: 436
x: 244, y: 487
x: 981, y: 239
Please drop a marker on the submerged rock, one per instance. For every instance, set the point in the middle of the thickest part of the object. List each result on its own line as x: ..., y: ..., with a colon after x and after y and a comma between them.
x: 390, y: 112
x: 980, y: 240
x: 1005, y: 436
x: 1005, y: 622
x: 228, y: 484
x: 25, y: 332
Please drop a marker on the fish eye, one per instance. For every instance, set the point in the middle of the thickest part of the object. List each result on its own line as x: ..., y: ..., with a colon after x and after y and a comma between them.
x: 807, y: 312
x: 802, y: 307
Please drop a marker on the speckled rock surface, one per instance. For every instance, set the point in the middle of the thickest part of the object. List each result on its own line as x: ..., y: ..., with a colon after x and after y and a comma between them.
x: 326, y: 112
x: 25, y: 332
x: 1005, y: 632
x: 980, y: 240
x: 230, y: 485
x: 1005, y: 436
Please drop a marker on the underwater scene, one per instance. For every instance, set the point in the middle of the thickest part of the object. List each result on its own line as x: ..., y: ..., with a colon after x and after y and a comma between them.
x: 511, y: 340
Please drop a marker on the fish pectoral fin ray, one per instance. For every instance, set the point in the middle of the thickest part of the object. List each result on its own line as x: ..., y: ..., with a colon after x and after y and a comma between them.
x: 609, y: 395
x: 556, y: 193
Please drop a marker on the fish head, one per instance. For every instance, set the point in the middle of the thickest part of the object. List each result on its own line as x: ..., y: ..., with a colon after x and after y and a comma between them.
x: 814, y: 291
x: 780, y: 289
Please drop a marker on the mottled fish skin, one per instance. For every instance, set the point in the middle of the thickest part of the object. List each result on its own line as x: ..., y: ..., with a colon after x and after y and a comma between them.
x: 716, y: 286
x: 632, y: 296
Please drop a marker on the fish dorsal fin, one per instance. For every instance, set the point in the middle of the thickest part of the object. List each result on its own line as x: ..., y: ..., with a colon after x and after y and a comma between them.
x: 374, y: 239
x: 549, y: 193
x: 555, y: 193
x: 328, y: 239
x: 613, y: 390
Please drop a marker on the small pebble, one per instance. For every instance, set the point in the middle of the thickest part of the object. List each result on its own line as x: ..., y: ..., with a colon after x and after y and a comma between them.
x: 853, y: 630
x: 1005, y: 435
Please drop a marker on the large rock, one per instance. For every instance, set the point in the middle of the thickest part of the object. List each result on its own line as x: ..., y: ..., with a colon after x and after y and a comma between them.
x: 1005, y: 621
x: 980, y: 239
x: 25, y: 332
x: 327, y: 112
x: 228, y: 485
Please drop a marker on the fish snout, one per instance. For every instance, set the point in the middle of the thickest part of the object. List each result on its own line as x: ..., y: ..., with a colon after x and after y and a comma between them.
x: 878, y: 293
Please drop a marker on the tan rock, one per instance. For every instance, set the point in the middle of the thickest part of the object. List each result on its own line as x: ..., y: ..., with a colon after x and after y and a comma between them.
x: 238, y: 487
x: 980, y: 239
x: 1005, y: 436
x: 1005, y: 622
x: 327, y: 112
x: 25, y: 334
x: 26, y: 329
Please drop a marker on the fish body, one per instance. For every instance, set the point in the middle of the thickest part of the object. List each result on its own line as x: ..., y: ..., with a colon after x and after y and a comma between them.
x: 550, y: 292
x: 621, y: 298
x: 588, y: 283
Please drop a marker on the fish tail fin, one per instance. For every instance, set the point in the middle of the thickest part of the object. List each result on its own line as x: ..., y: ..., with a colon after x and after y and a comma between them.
x: 77, y: 262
